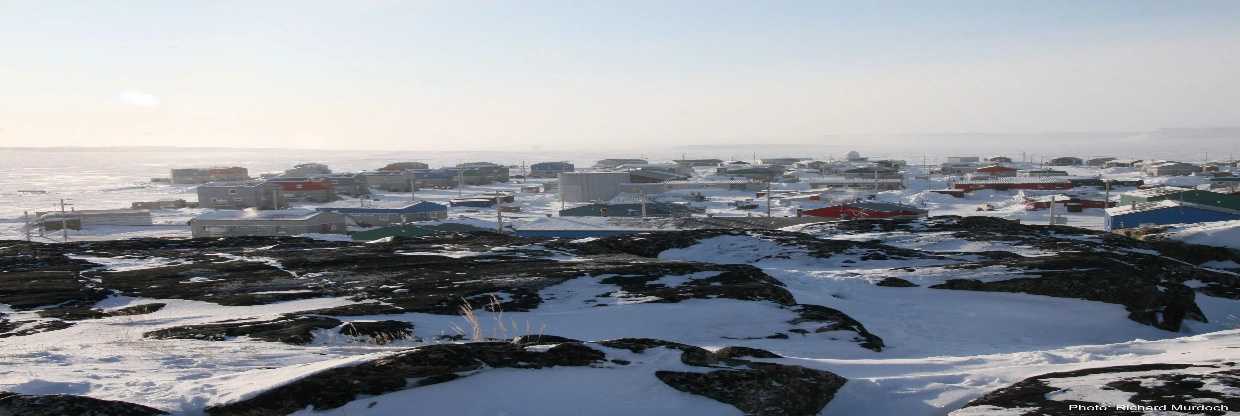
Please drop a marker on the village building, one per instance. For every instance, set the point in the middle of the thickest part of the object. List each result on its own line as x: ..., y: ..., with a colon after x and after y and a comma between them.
x: 1066, y: 161
x: 240, y: 195
x: 306, y: 190
x: 661, y: 187
x: 550, y: 169
x: 891, y: 164
x: 79, y: 219
x: 1018, y: 183
x: 783, y: 161
x: 389, y: 180
x: 482, y: 173
x: 413, y: 230
x: 957, y: 160
x: 378, y: 217
x: 996, y: 171
x: 1170, y: 169
x: 756, y: 172
x: 1121, y: 163
x: 1186, y: 195
x: 1099, y: 161
x: 251, y: 222
x: 1036, y: 173
x: 999, y: 160
x: 591, y: 186
x: 698, y: 163
x: 646, y: 175
x: 404, y: 166
x: 1136, y: 215
x: 889, y: 184
x: 162, y: 204
x: 308, y: 169
x: 872, y: 172
x: 652, y: 209
x: 615, y: 163
x: 951, y: 168
x: 194, y: 176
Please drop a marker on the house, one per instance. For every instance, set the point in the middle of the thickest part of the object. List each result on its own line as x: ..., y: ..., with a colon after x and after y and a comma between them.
x: 79, y: 219
x: 653, y: 209
x: 388, y: 180
x: 251, y: 222
x: 891, y: 164
x: 1170, y: 169
x: 1066, y: 161
x: 867, y: 210
x: 1036, y: 173
x: 1005, y: 184
x: 1162, y: 212
x: 240, y: 195
x: 482, y: 173
x: 646, y: 175
x: 1103, y: 183
x: 872, y: 172
x: 957, y: 168
x: 615, y: 163
x: 999, y: 160
x: 1121, y: 163
x: 695, y: 163
x: 194, y: 176
x: 351, y: 184
x: 1229, y: 184
x: 660, y: 187
x: 306, y: 190
x: 308, y: 169
x: 1186, y: 195
x: 758, y: 172
x: 1070, y: 203
x: 858, y: 183
x: 1099, y: 161
x: 549, y: 169
x: 591, y: 186
x: 404, y: 166
x: 783, y: 161
x: 996, y: 171
x: 376, y: 217
x: 958, y: 160
x: 162, y: 204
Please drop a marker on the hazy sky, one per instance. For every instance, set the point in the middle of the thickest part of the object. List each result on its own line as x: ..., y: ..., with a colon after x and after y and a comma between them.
x: 599, y: 74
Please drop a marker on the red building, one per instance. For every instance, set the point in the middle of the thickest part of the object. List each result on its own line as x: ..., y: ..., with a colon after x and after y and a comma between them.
x: 863, y: 210
x: 307, y: 190
x: 997, y: 171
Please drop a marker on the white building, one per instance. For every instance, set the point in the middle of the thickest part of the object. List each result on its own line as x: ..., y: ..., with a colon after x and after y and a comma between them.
x: 590, y: 186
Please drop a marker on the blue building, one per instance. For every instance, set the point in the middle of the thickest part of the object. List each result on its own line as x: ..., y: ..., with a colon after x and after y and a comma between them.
x: 375, y: 217
x: 550, y: 169
x: 1166, y: 212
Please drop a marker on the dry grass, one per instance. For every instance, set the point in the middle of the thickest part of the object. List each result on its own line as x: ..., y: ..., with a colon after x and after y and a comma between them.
x: 499, y: 330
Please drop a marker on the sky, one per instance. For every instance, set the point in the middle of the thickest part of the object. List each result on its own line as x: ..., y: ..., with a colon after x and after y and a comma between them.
x: 531, y: 74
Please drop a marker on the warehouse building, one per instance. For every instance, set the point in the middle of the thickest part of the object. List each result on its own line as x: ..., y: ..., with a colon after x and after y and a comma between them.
x: 1165, y: 212
x: 377, y: 217
x: 550, y: 169
x: 591, y: 186
x: 76, y: 220
x: 240, y: 195
x: 250, y: 222
x: 615, y: 163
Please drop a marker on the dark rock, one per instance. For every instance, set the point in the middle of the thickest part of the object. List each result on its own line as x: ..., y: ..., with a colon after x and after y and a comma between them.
x: 689, y: 354
x: 836, y: 321
x: 382, y: 332
x: 66, y: 405
x: 31, y: 289
x: 541, y: 339
x: 79, y: 314
x: 895, y: 282
x: 421, y: 366
x: 741, y: 282
x: 356, y: 309
x: 8, y: 329
x: 762, y: 389
x: 739, y: 352
x: 290, y: 330
x: 1160, y: 385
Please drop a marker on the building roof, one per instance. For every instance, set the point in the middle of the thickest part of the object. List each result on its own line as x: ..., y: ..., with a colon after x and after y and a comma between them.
x: 1016, y: 180
x: 305, y: 185
x: 1156, y: 192
x: 418, y: 207
x: 296, y: 214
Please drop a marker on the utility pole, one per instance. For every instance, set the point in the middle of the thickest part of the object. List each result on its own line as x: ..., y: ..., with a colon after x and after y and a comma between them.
x: 1052, y: 209
x: 1106, y: 202
x: 499, y: 215
x: 413, y: 186
x: 643, y: 194
x: 64, y: 220
x: 768, y: 195
x: 26, y: 217
x: 460, y: 182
